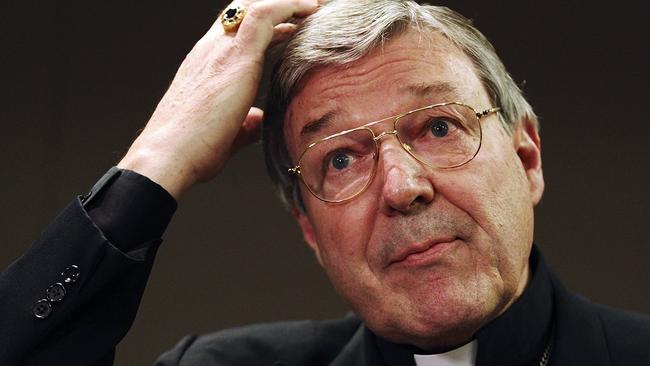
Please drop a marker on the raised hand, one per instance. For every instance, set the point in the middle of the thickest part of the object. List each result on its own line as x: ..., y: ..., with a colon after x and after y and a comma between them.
x: 207, y: 111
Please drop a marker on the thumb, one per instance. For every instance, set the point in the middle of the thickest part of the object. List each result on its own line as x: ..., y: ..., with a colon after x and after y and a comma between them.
x: 250, y: 130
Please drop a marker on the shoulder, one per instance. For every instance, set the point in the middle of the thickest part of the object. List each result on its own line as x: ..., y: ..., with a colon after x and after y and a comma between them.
x: 627, y: 334
x: 307, y: 342
x: 587, y: 333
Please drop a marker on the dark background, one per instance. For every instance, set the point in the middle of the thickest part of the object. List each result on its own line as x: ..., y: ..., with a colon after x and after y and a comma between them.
x: 79, y: 78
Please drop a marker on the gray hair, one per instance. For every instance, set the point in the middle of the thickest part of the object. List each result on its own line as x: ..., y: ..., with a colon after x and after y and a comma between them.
x: 343, y: 31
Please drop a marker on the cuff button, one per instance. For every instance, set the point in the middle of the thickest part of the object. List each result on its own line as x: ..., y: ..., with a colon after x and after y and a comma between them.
x: 71, y: 274
x: 56, y: 292
x: 42, y: 309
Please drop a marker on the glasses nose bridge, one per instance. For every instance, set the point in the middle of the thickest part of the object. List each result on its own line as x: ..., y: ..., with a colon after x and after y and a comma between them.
x: 387, y: 123
x: 385, y: 133
x: 394, y: 132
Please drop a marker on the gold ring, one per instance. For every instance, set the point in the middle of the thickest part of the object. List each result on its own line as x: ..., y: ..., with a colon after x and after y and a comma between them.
x: 232, y: 17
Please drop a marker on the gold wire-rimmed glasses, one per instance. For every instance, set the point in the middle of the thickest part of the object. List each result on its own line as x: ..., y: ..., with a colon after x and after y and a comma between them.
x: 341, y: 166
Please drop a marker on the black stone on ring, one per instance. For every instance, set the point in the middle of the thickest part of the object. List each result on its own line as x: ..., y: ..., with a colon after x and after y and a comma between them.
x: 230, y: 13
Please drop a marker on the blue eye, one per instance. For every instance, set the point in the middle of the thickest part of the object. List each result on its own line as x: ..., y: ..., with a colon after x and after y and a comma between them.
x: 439, y: 128
x: 340, y: 161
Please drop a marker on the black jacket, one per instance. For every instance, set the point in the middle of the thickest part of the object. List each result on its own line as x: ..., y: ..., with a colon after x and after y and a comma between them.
x: 98, y: 308
x: 580, y: 333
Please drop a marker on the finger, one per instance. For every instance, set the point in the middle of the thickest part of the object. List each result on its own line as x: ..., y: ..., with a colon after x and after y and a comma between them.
x: 282, y: 32
x: 251, y: 129
x: 256, y: 30
x: 253, y: 118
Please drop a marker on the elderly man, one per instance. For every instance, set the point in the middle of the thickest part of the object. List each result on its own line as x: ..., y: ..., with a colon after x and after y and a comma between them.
x: 412, y: 164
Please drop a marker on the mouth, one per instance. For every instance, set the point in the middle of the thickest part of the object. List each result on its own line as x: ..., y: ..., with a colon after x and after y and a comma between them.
x: 424, y: 253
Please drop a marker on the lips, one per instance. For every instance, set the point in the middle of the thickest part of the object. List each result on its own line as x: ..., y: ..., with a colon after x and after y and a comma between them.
x: 422, y: 253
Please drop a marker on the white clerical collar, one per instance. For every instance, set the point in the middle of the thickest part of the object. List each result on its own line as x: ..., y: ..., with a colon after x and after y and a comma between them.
x: 463, y: 356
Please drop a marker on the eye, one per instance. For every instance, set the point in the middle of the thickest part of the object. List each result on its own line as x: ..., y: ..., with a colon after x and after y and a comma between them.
x: 439, y: 127
x: 340, y: 161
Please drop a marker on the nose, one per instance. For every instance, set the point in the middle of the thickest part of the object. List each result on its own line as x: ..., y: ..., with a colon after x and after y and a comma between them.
x: 406, y: 183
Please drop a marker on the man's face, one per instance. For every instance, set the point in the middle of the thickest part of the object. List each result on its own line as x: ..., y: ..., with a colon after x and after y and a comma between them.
x: 424, y: 257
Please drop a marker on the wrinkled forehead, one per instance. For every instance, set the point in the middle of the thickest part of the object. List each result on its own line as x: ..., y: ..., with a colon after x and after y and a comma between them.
x: 408, y: 72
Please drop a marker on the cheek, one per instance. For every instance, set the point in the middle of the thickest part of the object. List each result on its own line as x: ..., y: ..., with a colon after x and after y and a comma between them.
x: 496, y: 189
x: 342, y: 231
x: 342, y: 234
x: 494, y: 192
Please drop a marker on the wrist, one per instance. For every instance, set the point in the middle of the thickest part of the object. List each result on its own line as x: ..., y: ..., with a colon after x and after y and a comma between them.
x: 162, y: 167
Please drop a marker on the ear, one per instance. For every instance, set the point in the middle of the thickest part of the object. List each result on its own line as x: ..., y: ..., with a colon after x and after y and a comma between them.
x: 529, y: 149
x: 307, y: 232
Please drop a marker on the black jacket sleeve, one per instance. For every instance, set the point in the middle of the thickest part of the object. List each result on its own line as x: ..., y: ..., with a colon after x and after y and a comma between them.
x: 74, y: 294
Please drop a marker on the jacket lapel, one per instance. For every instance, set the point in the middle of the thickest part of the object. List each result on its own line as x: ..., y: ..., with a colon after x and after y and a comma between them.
x: 353, y: 354
x: 579, y: 336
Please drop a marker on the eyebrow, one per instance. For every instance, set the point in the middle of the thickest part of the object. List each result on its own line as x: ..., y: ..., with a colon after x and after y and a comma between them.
x: 441, y: 90
x: 317, y: 124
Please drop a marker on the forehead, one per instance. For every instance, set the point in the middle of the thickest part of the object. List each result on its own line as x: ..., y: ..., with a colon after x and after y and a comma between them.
x: 410, y: 71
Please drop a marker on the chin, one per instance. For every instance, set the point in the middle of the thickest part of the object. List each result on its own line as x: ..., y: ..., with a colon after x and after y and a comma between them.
x: 431, y: 322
